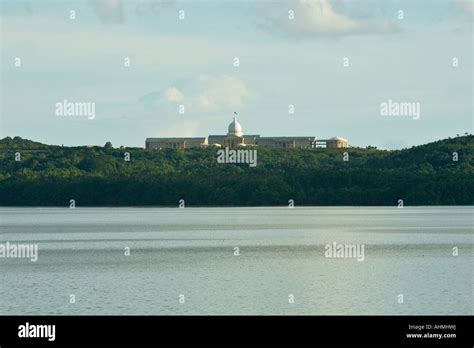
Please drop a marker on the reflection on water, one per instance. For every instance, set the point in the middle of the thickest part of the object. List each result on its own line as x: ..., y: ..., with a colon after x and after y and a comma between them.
x: 191, y: 252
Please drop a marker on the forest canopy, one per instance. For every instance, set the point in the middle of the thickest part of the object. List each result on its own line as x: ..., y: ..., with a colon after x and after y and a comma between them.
x: 35, y: 174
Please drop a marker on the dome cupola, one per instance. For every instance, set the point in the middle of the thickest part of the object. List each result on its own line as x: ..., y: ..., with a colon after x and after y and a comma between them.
x: 235, y: 128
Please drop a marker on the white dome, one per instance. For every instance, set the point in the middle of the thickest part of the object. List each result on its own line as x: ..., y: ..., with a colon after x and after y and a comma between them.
x: 235, y: 128
x: 338, y: 138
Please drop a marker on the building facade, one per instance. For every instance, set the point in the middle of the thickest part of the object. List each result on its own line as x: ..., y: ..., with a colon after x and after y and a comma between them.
x: 174, y: 143
x: 336, y: 143
x: 236, y: 138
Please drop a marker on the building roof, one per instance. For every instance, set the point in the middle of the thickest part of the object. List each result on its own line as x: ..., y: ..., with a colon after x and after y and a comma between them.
x: 338, y: 138
x: 286, y: 138
x: 176, y: 138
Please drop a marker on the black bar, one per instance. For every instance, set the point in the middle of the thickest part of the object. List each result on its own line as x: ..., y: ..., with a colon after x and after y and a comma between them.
x: 224, y: 330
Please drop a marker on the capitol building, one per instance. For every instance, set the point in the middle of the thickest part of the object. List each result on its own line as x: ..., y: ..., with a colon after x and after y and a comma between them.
x: 236, y: 138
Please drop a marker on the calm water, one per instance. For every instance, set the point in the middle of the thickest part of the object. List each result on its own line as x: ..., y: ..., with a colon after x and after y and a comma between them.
x: 190, y: 251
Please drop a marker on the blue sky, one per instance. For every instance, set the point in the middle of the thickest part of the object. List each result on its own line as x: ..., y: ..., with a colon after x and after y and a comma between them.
x: 190, y: 62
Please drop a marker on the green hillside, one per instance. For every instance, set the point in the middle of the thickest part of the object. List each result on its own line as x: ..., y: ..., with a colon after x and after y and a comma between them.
x: 99, y: 176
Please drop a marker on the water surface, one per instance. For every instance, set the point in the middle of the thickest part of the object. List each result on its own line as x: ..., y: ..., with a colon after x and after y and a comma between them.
x: 191, y: 252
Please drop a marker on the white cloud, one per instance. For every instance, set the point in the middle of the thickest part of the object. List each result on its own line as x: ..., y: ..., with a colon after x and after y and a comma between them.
x: 173, y: 95
x: 219, y: 92
x: 318, y: 17
x: 204, y: 93
x: 204, y: 98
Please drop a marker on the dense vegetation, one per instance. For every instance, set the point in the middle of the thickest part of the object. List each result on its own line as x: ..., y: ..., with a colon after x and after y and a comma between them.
x: 99, y: 176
